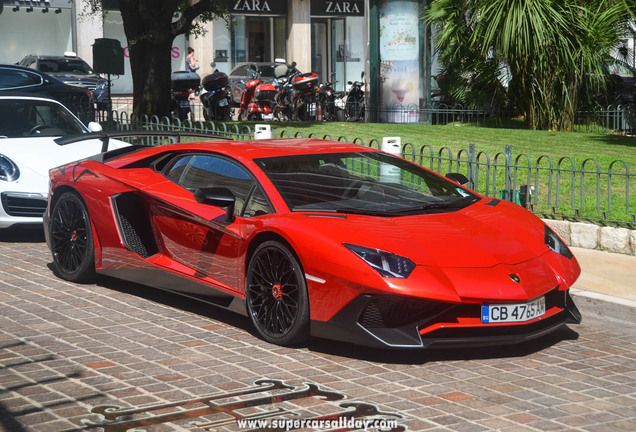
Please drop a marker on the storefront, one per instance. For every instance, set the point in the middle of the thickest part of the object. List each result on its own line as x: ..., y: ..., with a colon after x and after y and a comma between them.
x: 257, y: 33
x: 35, y: 27
x: 338, y: 40
x: 326, y: 37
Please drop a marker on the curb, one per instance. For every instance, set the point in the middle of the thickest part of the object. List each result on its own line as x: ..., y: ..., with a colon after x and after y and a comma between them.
x: 595, y: 237
x: 604, y: 306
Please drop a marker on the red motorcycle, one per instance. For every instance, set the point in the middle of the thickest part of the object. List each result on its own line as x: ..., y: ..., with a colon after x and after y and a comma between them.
x: 306, y: 104
x: 257, y: 101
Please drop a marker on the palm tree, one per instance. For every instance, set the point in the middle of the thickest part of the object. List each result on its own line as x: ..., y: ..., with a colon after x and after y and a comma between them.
x: 551, y: 48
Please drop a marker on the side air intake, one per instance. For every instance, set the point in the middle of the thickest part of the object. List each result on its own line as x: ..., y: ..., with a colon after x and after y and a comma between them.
x: 134, y: 224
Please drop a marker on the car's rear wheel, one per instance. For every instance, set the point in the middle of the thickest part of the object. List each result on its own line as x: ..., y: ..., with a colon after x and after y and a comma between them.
x: 276, y: 294
x: 72, y: 239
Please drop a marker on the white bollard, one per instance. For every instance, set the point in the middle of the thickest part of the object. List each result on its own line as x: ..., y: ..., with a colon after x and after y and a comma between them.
x: 389, y: 173
x: 262, y: 132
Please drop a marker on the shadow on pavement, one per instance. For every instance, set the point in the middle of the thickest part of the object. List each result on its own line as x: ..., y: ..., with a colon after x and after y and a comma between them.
x: 22, y: 234
x: 335, y: 348
x: 178, y: 301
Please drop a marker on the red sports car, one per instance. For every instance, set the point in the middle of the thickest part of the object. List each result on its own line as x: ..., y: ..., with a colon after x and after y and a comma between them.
x: 310, y: 237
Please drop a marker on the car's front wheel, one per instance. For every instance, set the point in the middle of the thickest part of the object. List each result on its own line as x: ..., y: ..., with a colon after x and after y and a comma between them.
x: 276, y: 294
x: 72, y: 239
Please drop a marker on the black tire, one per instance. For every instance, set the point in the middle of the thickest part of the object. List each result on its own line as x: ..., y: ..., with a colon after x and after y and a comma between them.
x: 276, y: 295
x: 72, y: 239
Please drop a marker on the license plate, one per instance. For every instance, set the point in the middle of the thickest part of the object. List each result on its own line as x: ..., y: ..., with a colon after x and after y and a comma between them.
x: 267, y: 116
x: 520, y: 312
x: 184, y: 104
x: 223, y: 102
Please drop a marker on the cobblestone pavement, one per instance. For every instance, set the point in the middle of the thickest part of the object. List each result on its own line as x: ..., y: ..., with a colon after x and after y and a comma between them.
x: 67, y: 348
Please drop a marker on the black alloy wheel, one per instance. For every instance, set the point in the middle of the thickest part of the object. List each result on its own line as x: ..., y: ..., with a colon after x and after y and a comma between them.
x: 276, y: 295
x: 72, y: 239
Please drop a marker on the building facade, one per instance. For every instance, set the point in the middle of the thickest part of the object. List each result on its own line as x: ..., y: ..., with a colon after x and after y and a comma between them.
x: 383, y: 40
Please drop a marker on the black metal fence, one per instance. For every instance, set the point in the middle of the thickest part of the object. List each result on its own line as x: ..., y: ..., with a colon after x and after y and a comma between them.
x: 552, y: 188
x: 621, y: 118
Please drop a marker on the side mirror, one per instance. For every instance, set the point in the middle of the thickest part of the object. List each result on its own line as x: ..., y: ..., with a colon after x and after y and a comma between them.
x: 94, y: 127
x: 218, y: 197
x: 458, y: 177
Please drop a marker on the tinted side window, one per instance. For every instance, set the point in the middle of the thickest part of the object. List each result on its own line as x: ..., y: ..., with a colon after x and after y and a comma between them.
x: 257, y: 204
x: 15, y: 79
x: 205, y: 171
x: 176, y: 170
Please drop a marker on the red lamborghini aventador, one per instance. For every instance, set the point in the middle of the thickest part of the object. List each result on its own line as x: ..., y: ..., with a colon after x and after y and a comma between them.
x: 314, y: 238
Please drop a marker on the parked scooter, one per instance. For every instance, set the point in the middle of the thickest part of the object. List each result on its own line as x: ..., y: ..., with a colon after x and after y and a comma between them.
x: 257, y: 101
x: 331, y: 101
x: 184, y: 85
x: 355, y: 105
x: 306, y: 105
x: 284, y: 107
x: 216, y: 99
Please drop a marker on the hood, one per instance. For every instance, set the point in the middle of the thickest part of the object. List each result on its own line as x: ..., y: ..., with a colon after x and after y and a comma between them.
x: 478, y: 236
x: 78, y: 80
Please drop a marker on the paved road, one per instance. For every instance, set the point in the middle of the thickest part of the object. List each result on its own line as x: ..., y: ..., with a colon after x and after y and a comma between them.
x: 67, y: 349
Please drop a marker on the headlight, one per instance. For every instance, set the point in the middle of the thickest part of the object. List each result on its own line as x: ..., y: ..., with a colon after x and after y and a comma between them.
x: 556, y: 244
x: 102, y: 85
x: 8, y: 169
x: 385, y: 263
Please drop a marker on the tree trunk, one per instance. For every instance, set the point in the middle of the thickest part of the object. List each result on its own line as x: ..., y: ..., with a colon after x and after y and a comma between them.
x: 149, y: 32
x: 151, y: 70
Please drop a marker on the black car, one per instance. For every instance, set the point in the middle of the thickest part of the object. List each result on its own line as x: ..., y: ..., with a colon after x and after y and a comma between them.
x: 20, y: 79
x: 71, y: 70
x: 244, y: 72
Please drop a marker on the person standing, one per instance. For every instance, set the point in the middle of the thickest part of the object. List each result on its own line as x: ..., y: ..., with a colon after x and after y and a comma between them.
x: 191, y: 62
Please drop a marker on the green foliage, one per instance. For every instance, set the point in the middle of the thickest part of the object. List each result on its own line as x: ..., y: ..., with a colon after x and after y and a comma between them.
x: 550, y: 48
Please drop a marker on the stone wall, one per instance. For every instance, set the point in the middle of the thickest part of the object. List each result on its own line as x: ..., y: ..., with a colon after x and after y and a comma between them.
x: 590, y: 236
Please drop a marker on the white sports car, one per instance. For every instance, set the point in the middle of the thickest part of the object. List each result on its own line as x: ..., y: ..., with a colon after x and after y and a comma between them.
x: 28, y: 128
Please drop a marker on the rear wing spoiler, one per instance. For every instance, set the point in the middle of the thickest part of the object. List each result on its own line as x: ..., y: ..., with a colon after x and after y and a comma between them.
x: 104, y: 137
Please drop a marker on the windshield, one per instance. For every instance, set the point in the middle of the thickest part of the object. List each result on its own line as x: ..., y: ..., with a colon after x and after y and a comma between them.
x: 363, y: 183
x: 21, y: 118
x: 268, y: 70
x: 65, y: 65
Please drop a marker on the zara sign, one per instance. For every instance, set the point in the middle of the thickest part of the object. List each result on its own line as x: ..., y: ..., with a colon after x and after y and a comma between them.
x: 337, y: 8
x: 258, y: 7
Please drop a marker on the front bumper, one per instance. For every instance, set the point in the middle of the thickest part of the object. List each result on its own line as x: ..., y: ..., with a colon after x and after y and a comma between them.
x: 382, y: 321
x: 21, y: 208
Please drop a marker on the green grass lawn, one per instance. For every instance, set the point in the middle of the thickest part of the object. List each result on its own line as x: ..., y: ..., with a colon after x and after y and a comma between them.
x: 572, y: 196
x: 605, y: 148
x: 572, y: 150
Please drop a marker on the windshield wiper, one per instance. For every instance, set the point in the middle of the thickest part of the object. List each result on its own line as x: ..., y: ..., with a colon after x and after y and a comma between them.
x: 444, y: 205
x: 304, y: 208
x: 368, y: 212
